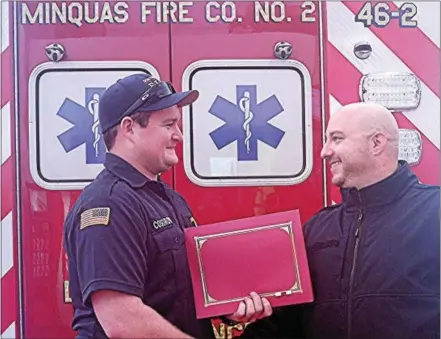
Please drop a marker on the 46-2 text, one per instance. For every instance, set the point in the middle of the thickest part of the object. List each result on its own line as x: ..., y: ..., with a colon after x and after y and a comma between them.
x: 380, y: 15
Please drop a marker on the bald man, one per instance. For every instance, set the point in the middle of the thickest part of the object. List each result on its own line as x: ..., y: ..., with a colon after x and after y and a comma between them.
x: 374, y: 258
x: 362, y: 145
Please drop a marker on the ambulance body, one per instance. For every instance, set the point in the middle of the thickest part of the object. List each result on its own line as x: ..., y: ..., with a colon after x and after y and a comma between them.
x: 270, y: 75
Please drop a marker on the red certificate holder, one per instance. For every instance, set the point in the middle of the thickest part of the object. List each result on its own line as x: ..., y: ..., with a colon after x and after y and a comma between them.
x: 265, y: 254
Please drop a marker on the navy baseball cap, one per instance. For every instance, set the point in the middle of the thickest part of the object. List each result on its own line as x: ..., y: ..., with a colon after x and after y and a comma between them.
x: 139, y: 93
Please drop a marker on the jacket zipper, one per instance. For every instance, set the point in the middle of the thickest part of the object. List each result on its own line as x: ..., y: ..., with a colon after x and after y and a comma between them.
x: 352, y: 274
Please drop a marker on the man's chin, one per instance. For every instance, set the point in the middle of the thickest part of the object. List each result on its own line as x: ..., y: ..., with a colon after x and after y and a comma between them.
x: 172, y: 161
x: 338, y: 181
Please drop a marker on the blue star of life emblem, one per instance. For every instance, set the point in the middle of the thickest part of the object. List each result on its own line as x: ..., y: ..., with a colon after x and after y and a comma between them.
x: 86, y: 129
x: 247, y: 122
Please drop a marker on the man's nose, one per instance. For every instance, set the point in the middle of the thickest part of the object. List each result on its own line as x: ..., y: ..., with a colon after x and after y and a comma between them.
x: 178, y: 136
x: 326, y: 151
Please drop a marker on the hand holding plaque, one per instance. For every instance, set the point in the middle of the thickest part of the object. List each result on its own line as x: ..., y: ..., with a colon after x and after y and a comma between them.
x: 265, y: 254
x: 252, y: 308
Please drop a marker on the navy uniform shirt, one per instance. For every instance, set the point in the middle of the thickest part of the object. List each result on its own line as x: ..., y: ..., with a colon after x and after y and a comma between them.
x: 125, y: 233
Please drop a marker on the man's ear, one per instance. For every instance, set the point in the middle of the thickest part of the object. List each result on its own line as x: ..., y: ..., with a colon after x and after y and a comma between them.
x: 379, y: 141
x: 126, y: 126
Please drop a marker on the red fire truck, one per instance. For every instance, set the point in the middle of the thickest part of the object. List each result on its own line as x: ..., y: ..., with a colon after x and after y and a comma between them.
x: 295, y: 61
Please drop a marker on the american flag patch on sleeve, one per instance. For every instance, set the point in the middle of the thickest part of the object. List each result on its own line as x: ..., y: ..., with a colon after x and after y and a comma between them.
x: 95, y: 216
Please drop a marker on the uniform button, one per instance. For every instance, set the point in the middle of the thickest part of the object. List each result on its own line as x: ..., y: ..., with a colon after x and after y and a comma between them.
x: 176, y: 240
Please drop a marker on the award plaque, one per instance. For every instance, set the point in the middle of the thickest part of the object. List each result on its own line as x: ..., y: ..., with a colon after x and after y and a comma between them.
x: 265, y: 254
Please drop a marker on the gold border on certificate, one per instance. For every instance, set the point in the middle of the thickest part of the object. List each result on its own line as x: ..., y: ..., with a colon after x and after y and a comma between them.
x: 201, y: 240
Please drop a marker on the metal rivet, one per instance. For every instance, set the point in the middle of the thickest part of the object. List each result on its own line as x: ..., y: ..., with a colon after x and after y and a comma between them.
x: 283, y: 50
x: 363, y: 50
x: 55, y: 52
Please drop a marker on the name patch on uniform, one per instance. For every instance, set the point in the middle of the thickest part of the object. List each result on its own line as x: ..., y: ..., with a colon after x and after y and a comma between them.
x: 157, y: 224
x: 95, y: 216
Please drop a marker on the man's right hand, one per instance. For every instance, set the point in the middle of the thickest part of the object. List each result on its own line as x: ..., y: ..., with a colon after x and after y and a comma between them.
x: 251, y: 309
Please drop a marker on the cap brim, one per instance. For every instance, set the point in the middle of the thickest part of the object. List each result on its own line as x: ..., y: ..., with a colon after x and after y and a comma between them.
x: 181, y: 99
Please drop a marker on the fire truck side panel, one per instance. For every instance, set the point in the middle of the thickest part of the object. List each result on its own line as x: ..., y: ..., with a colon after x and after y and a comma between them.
x: 34, y: 272
x: 43, y: 211
x: 394, y: 49
x: 9, y: 238
x: 248, y: 42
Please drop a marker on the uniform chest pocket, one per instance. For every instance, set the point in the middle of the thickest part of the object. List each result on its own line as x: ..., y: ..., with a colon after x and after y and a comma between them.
x: 170, y: 263
x: 171, y: 238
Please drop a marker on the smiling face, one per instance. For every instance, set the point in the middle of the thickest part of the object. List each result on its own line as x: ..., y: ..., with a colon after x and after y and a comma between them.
x: 155, y: 144
x: 148, y: 140
x: 347, y: 150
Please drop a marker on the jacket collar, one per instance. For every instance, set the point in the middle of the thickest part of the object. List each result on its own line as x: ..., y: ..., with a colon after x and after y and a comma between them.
x: 382, y: 192
x: 125, y: 171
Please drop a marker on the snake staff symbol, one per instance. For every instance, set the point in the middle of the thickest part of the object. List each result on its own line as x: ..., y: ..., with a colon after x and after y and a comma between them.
x: 93, y: 109
x: 247, y: 122
x: 86, y: 129
x: 244, y: 104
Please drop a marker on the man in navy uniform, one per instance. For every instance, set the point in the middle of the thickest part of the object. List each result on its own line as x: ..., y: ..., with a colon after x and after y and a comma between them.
x: 124, y: 238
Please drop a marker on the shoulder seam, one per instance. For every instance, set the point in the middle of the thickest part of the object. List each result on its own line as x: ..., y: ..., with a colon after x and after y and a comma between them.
x: 313, y: 218
x: 112, y: 187
x: 330, y: 207
x: 422, y: 186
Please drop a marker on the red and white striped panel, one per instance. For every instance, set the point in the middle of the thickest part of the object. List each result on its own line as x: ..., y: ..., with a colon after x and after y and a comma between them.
x: 9, y: 285
x: 394, y: 49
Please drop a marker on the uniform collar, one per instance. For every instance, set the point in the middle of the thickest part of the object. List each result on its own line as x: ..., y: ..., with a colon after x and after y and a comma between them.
x: 122, y: 169
x: 383, y: 192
